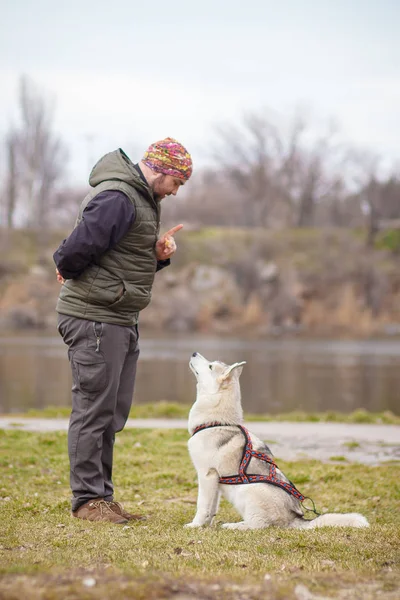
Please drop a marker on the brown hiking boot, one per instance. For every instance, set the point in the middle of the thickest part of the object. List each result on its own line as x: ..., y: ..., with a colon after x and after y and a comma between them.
x: 98, y: 510
x: 119, y: 510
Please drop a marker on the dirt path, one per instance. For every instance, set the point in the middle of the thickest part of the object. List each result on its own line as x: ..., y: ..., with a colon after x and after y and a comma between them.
x: 363, y: 443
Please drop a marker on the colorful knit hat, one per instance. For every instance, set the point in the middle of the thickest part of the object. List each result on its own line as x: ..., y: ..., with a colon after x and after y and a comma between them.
x: 169, y: 157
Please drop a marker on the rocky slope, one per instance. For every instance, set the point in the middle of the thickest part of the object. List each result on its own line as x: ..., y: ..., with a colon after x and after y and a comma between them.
x: 253, y: 282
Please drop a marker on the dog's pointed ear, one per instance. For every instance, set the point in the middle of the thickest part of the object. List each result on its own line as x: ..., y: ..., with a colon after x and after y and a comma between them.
x: 236, y: 369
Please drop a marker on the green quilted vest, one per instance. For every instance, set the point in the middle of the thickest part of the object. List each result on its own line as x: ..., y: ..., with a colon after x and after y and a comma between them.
x: 118, y: 285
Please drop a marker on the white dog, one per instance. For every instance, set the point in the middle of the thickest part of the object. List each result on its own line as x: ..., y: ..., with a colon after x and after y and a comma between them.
x: 230, y: 460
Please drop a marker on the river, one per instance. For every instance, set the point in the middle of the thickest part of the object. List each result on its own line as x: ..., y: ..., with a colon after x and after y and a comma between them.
x: 281, y: 375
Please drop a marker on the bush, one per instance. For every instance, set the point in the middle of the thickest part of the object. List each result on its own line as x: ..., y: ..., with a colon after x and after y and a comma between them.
x: 389, y: 240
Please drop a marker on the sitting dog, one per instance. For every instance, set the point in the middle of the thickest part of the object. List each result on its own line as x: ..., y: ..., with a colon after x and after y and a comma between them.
x: 230, y: 460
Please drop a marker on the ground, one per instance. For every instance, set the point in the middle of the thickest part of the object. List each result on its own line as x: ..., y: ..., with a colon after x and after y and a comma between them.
x: 46, y: 554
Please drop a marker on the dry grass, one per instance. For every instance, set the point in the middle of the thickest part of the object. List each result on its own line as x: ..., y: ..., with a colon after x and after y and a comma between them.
x: 158, y: 558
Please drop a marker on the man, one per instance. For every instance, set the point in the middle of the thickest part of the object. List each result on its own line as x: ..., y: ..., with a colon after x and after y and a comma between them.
x: 107, y: 267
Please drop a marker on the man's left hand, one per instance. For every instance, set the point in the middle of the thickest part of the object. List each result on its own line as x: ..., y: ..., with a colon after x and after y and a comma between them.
x: 166, y: 246
x: 60, y: 278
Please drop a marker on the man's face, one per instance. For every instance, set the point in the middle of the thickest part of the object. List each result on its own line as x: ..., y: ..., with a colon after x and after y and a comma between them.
x: 165, y: 185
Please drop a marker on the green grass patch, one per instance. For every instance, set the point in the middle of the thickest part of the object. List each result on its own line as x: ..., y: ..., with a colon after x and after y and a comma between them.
x: 174, y: 410
x: 351, y: 445
x: 153, y: 475
x: 156, y: 410
x: 388, y: 240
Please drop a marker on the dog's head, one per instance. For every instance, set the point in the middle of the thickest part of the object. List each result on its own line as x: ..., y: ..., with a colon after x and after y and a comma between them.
x: 214, y: 377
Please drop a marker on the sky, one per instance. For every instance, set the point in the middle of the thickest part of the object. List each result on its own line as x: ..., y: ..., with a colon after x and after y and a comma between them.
x: 128, y: 73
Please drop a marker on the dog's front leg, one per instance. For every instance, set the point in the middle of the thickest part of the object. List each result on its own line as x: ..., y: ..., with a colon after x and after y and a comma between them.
x: 207, y: 499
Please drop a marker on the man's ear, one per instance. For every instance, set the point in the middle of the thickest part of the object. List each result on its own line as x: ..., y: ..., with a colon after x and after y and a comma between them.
x: 235, y: 369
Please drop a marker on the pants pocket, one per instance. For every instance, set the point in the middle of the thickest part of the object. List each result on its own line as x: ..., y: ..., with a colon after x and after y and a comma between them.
x: 61, y: 320
x: 89, y: 371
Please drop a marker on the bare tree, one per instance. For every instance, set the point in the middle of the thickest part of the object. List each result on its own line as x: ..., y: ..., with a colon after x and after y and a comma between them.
x: 281, y: 171
x: 11, y: 190
x: 270, y: 173
x: 290, y: 160
x: 387, y: 199
x: 244, y: 155
x: 42, y: 154
x: 313, y: 177
x: 366, y: 169
x: 339, y: 208
x: 35, y: 160
x: 370, y: 195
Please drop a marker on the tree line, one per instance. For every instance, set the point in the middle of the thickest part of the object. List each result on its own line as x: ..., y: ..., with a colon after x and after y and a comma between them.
x: 266, y: 173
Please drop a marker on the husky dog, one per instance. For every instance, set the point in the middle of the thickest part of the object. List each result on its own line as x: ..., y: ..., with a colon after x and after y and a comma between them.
x: 245, y: 474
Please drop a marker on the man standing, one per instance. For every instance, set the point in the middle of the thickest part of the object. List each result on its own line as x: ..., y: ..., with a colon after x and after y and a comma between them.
x: 107, y: 267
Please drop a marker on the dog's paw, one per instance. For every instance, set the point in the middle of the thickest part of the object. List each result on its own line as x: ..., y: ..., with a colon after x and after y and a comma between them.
x: 229, y: 525
x: 240, y: 525
x: 192, y: 525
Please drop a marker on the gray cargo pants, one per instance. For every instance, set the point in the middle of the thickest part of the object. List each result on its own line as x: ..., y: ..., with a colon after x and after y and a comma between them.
x: 103, y: 360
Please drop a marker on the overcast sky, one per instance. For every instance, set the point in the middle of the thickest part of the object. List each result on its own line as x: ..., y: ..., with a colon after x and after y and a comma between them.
x: 127, y: 73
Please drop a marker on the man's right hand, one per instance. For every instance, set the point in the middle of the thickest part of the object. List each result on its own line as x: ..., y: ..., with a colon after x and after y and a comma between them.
x: 166, y: 246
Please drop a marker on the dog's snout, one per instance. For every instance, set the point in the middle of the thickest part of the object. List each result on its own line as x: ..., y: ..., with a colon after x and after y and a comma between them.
x: 194, y: 354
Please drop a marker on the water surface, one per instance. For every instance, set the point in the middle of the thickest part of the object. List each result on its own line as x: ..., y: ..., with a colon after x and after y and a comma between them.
x: 280, y: 375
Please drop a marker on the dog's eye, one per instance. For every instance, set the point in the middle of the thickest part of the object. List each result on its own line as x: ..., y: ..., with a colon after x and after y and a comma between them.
x: 210, y: 366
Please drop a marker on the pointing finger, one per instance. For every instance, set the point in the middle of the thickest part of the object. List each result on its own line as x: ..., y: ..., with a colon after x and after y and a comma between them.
x: 173, y: 230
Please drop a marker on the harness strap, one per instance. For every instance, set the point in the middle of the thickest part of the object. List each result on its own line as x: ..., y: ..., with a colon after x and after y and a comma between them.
x: 248, y: 453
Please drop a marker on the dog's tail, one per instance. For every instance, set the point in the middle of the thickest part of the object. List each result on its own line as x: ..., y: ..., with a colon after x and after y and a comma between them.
x: 335, y: 520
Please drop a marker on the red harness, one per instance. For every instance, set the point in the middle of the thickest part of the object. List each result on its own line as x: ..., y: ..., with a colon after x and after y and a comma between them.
x: 248, y: 453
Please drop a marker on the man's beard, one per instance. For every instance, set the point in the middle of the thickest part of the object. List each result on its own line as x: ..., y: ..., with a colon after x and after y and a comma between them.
x: 155, y: 187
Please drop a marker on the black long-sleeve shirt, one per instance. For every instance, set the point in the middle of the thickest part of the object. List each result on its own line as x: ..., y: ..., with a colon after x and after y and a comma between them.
x: 105, y: 221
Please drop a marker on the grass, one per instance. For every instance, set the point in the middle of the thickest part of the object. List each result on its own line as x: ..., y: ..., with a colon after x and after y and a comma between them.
x: 44, y: 553
x: 174, y: 410
x: 351, y: 445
